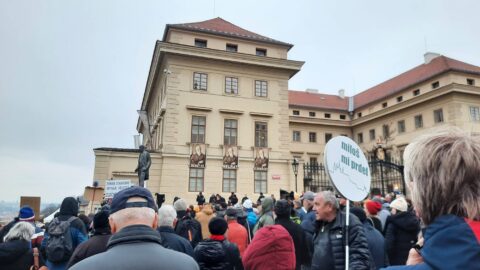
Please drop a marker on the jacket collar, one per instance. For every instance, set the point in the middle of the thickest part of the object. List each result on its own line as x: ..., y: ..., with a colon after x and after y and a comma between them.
x: 167, y: 229
x: 134, y: 234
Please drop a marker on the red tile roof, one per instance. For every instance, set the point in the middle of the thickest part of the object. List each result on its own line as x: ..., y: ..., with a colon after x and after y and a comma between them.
x: 421, y: 73
x: 219, y: 26
x: 316, y: 100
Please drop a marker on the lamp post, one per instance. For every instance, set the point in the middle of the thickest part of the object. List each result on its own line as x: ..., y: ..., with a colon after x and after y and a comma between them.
x: 295, y: 171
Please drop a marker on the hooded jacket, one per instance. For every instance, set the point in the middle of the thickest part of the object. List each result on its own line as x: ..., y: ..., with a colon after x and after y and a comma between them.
x: 96, y: 244
x: 450, y: 242
x: 16, y: 254
x: 217, y: 255
x: 401, y: 231
x: 137, y: 247
x: 272, y: 248
x: 266, y: 215
x: 204, y: 217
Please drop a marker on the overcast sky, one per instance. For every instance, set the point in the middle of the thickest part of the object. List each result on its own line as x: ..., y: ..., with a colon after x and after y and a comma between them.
x: 72, y: 73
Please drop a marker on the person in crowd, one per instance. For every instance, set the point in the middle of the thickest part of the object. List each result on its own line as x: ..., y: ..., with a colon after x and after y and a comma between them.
x: 372, y: 208
x: 300, y: 212
x: 212, y: 199
x: 237, y: 234
x: 272, y: 248
x: 204, y: 218
x: 244, y: 199
x: 217, y: 252
x: 15, y: 251
x: 260, y: 198
x: 191, y: 211
x: 384, y: 213
x: 329, y: 251
x: 220, y: 209
x: 54, y: 240
x: 200, y: 198
x: 401, y: 231
x: 167, y: 217
x: 266, y: 215
x: 283, y: 211
x: 232, y: 200
x: 251, y: 217
x: 135, y: 243
x: 186, y: 226
x: 26, y: 214
x: 441, y: 173
x: 273, y: 198
x: 86, y: 221
x: 97, y: 243
x: 308, y: 222
x: 376, y: 242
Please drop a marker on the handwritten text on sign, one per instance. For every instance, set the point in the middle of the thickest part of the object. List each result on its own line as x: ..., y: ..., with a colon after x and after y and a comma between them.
x: 112, y: 187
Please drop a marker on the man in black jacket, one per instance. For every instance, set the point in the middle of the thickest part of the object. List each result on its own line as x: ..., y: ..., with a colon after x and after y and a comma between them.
x: 167, y: 217
x: 283, y: 210
x: 200, y: 198
x: 217, y: 252
x: 186, y: 226
x: 328, y: 241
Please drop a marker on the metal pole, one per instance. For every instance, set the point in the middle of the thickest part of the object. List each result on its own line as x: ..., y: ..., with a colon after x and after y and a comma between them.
x: 93, y: 199
x: 347, y: 257
x: 381, y: 177
x: 296, y: 189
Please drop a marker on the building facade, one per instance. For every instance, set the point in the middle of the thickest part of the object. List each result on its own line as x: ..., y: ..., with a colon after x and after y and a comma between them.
x: 218, y: 116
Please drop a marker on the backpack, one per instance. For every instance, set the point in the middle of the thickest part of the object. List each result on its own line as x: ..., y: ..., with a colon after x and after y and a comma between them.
x: 191, y: 230
x: 59, y: 246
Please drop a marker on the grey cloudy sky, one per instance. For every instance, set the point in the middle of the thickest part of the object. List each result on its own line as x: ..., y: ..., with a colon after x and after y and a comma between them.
x: 72, y: 73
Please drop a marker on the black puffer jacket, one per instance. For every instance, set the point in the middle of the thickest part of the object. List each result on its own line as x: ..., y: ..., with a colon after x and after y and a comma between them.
x: 401, y: 231
x: 359, y: 252
x: 217, y: 255
x: 15, y: 255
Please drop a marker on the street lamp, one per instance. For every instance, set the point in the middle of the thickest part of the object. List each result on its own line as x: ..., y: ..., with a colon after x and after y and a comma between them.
x: 295, y: 171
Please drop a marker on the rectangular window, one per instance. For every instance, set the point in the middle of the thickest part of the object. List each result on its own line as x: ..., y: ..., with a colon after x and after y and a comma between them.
x: 195, y: 182
x: 475, y: 113
x: 295, y: 112
x: 261, y: 88
x: 201, y: 43
x: 231, y: 85
x: 260, y: 179
x: 359, y: 114
x: 232, y: 47
x: 470, y: 81
x: 418, y: 121
x: 261, y: 52
x: 360, y: 137
x: 313, y: 161
x: 311, y: 114
x: 384, y: 105
x: 435, y: 85
x: 199, y: 81
x: 261, y: 134
x: 229, y: 180
x: 328, y: 137
x: 400, y: 99
x: 312, y: 137
x: 386, y: 131
x: 371, y: 133
x: 230, y: 132
x: 343, y: 116
x: 198, y: 129
x: 327, y: 115
x: 296, y: 136
x: 438, y: 116
x: 401, y: 126
x: 416, y: 92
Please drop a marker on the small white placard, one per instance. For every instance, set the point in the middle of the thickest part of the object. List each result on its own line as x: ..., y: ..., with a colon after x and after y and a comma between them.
x: 112, y: 187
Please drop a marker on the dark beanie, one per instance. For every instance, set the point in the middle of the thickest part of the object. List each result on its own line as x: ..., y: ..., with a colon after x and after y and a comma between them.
x: 217, y: 226
x: 359, y: 212
x: 69, y: 207
x: 100, y: 220
x: 282, y: 208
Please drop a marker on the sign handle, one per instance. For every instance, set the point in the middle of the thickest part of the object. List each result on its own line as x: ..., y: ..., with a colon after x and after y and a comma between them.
x: 347, y: 214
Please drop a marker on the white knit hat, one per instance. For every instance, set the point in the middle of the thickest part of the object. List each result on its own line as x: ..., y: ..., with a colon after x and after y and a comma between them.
x: 399, y: 204
x: 247, y: 204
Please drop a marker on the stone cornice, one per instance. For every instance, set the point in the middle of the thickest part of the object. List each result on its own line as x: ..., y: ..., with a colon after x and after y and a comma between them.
x: 198, y: 108
x: 316, y: 121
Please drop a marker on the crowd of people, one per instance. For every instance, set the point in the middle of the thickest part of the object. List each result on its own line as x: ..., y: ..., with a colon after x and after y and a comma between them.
x: 436, y: 227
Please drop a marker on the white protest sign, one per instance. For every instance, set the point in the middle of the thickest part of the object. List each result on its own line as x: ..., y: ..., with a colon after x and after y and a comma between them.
x: 112, y: 187
x: 348, y: 168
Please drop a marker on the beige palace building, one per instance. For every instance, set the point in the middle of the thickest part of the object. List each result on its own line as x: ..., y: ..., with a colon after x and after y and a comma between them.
x: 217, y: 114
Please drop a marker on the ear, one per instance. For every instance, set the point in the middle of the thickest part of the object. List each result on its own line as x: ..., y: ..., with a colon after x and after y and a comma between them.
x: 155, y: 222
x: 113, y: 227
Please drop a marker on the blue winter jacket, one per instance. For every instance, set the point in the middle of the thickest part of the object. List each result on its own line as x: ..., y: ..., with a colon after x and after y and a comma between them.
x: 450, y: 243
x: 251, y: 218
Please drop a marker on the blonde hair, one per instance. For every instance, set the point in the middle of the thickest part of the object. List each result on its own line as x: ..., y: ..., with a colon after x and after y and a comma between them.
x: 21, y: 231
x: 443, y: 171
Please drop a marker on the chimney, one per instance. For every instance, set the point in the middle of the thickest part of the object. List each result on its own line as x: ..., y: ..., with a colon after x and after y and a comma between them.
x: 429, y: 56
x: 341, y: 93
x: 312, y: 91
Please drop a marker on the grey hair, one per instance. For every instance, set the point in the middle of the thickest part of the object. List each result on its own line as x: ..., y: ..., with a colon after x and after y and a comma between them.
x: 21, y: 231
x: 166, y: 215
x: 442, y: 173
x: 329, y: 198
x: 180, y: 205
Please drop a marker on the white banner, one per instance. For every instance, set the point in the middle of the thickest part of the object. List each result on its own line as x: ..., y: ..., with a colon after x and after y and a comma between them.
x: 112, y: 187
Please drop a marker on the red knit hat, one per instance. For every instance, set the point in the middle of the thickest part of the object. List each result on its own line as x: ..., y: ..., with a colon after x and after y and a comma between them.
x: 373, y: 207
